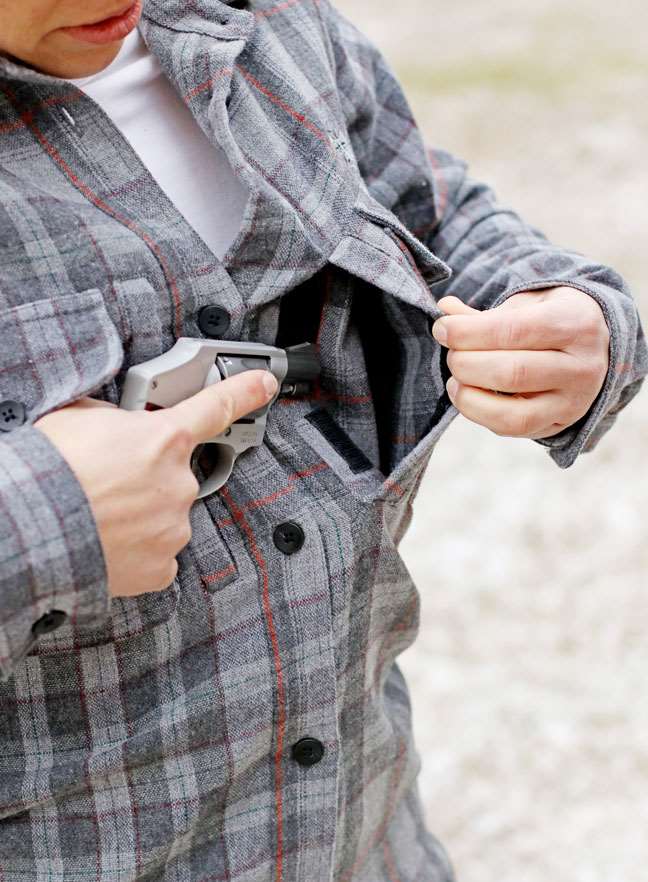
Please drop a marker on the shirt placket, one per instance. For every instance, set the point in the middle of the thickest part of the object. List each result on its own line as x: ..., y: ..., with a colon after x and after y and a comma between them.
x: 281, y: 631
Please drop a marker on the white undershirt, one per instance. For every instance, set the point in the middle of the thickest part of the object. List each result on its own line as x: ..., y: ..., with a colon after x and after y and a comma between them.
x: 193, y: 173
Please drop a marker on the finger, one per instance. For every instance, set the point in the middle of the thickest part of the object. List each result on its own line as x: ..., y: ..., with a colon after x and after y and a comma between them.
x: 213, y: 409
x: 549, y: 431
x: 526, y: 370
x: 516, y: 416
x: 452, y: 305
x: 92, y: 402
x: 542, y: 325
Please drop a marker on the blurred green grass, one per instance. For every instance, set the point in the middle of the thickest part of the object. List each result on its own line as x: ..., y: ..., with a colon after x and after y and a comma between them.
x: 550, y: 77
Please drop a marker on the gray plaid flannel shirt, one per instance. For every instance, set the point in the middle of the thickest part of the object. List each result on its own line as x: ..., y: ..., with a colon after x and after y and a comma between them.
x: 151, y: 737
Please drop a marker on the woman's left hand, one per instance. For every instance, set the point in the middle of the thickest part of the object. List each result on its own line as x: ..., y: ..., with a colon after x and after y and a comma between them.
x: 547, y: 349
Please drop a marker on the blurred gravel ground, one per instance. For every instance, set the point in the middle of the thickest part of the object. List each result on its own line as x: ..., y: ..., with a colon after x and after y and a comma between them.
x: 529, y: 678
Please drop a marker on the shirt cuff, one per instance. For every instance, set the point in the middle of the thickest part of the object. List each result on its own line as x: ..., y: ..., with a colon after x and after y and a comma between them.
x: 52, y: 566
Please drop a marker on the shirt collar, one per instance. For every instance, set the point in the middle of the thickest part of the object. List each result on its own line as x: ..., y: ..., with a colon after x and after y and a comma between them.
x: 221, y: 19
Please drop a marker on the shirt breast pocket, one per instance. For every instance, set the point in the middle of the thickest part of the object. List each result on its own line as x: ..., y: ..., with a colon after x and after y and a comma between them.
x: 56, y: 351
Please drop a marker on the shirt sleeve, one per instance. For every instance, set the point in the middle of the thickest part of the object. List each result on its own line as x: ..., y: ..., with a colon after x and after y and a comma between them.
x: 492, y: 252
x: 52, y: 567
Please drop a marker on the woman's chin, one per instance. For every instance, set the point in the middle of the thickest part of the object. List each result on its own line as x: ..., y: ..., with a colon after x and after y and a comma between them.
x: 73, y: 65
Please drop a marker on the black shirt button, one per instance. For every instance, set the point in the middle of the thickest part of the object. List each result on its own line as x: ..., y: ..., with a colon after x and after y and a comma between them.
x: 288, y: 537
x: 308, y: 751
x: 213, y: 321
x: 49, y: 622
x: 12, y: 415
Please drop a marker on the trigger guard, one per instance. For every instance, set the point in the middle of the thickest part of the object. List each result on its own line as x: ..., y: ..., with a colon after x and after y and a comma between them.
x: 224, y: 463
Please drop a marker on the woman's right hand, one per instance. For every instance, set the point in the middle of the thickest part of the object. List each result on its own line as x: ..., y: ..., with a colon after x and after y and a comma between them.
x: 134, y: 467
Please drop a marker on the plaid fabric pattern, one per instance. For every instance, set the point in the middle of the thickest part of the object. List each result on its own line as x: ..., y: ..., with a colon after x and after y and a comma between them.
x: 149, y: 738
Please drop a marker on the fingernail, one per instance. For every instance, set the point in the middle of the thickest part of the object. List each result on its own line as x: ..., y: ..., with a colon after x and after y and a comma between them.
x: 269, y: 383
x: 439, y: 331
x: 451, y: 386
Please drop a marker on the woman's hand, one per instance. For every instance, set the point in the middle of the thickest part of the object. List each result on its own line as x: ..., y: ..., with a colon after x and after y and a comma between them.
x: 134, y: 467
x: 547, y: 349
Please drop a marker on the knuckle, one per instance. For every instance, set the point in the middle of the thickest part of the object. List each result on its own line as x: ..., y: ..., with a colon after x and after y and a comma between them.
x: 579, y: 370
x: 181, y: 438
x: 566, y: 409
x: 567, y: 329
x: 174, y: 535
x: 563, y: 325
x: 600, y: 365
x: 177, y: 534
x: 573, y: 408
x: 453, y: 360
x: 166, y: 573
x: 526, y: 424
x: 588, y: 373
x: 499, y: 428
x: 459, y: 399
x: 593, y: 323
x: 193, y: 486
x: 184, y: 534
x: 604, y: 335
x: 516, y: 425
x: 173, y: 436
x: 518, y: 374
x: 510, y: 333
x: 228, y: 408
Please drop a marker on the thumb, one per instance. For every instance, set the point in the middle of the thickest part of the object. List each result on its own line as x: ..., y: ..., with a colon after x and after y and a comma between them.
x: 91, y: 402
x: 213, y: 409
x: 452, y: 305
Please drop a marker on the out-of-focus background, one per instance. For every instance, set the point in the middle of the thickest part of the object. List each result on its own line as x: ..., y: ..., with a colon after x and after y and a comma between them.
x: 530, y: 676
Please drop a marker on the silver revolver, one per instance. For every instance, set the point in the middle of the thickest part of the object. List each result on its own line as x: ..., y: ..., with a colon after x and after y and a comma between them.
x: 194, y: 363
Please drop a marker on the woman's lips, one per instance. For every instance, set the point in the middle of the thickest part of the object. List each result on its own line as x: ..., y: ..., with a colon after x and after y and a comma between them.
x: 110, y: 29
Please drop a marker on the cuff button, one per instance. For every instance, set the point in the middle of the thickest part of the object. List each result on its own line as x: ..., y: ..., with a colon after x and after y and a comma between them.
x: 12, y: 415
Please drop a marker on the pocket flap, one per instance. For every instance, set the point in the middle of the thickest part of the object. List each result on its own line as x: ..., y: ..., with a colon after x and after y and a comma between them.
x: 57, y: 350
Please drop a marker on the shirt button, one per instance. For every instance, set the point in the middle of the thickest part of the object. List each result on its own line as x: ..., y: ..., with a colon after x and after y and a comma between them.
x: 49, y: 622
x: 213, y: 321
x: 308, y: 751
x: 288, y: 537
x: 12, y: 415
